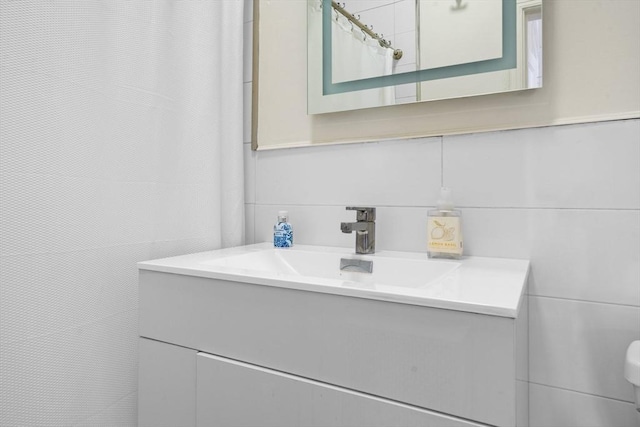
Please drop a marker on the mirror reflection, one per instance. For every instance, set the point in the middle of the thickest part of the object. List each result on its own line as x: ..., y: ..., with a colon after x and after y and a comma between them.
x: 368, y: 53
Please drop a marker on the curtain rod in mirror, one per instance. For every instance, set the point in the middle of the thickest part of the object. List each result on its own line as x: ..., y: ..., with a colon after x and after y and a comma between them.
x: 397, y: 53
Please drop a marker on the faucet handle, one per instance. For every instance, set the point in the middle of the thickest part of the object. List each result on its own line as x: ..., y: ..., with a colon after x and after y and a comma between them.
x: 363, y: 213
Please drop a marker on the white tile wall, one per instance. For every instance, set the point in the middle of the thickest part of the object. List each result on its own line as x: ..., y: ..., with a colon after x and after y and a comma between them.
x: 407, y: 92
x: 407, y: 42
x: 379, y: 18
x: 565, y: 197
x: 404, y: 16
x: 563, y: 244
x: 581, y: 346
x: 553, y: 407
x: 351, y: 174
x: 594, y: 165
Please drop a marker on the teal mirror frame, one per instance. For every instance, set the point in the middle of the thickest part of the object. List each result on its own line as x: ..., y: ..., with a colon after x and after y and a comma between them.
x: 507, y: 61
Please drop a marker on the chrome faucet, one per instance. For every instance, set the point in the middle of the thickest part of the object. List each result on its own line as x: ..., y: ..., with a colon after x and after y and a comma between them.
x: 365, y: 229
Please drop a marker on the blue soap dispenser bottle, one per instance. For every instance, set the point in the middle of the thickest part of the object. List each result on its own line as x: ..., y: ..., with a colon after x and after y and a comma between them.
x: 282, y: 231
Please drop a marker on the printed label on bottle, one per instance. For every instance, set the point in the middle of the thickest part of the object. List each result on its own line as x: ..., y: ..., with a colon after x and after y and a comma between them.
x: 444, y: 235
x: 282, y: 235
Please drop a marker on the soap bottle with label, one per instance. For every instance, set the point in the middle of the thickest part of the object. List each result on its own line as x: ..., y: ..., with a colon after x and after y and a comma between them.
x: 282, y: 231
x: 444, y: 229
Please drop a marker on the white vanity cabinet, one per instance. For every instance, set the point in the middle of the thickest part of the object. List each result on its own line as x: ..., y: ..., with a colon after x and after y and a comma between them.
x: 182, y: 387
x: 262, y: 355
x: 231, y: 393
x: 166, y: 385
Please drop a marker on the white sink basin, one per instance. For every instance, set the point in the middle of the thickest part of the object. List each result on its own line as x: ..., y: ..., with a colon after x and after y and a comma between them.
x: 324, y: 264
x: 473, y: 284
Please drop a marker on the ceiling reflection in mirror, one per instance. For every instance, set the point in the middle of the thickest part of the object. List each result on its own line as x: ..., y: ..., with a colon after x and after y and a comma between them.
x: 371, y: 53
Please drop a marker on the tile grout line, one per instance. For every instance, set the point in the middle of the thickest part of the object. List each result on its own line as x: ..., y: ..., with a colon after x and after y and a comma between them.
x: 581, y: 392
x: 515, y: 208
x: 584, y: 301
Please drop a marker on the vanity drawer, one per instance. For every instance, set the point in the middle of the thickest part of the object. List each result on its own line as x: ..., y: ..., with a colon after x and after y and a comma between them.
x: 231, y: 393
x: 166, y: 385
x: 457, y: 363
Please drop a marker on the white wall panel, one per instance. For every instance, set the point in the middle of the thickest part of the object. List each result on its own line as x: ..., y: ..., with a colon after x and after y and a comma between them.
x: 396, y: 173
x: 553, y: 407
x: 594, y: 165
x: 404, y: 16
x: 573, y: 252
x: 406, y: 41
x: 586, y: 255
x: 581, y: 346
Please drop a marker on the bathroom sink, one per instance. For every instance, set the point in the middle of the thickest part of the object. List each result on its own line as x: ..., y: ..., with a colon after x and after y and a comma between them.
x: 387, y: 272
x: 491, y: 286
x: 448, y: 337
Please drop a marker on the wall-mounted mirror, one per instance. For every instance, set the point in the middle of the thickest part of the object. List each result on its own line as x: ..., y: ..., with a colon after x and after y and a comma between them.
x: 371, y: 53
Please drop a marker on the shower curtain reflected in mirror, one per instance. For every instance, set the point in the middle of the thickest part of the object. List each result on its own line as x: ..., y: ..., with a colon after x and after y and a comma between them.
x: 534, y: 47
x: 354, y: 57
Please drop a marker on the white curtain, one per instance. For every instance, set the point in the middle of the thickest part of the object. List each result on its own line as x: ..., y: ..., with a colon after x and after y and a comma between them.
x: 354, y: 57
x: 120, y: 141
x: 199, y: 46
x: 534, y: 49
x: 227, y: 71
